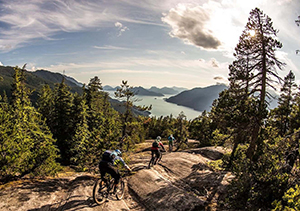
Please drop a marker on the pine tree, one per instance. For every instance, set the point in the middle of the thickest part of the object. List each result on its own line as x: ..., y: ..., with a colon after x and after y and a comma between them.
x: 45, y: 104
x: 125, y: 91
x: 26, y: 144
x: 257, y: 53
x: 81, y: 147
x: 281, y: 115
x: 181, y: 130
x: 62, y: 120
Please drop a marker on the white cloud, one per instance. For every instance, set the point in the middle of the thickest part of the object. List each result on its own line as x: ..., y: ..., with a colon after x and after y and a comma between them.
x: 110, y: 47
x: 121, y: 28
x: 189, y: 22
x: 28, y: 20
x: 1, y: 64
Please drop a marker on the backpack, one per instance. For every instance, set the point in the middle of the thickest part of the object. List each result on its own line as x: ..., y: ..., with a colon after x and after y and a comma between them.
x: 106, y: 156
x: 155, y: 144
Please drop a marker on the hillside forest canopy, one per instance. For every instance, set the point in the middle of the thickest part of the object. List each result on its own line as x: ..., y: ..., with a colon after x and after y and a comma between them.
x: 62, y: 128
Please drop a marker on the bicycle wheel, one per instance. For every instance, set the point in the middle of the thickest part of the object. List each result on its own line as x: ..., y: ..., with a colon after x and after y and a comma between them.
x: 151, y: 162
x: 100, y: 192
x: 120, y: 190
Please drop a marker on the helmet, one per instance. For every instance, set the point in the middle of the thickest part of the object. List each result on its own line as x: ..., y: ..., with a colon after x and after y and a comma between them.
x: 119, y: 153
x: 158, y: 138
x: 113, y: 154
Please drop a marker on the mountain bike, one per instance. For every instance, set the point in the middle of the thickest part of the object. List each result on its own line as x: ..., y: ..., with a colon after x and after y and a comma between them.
x: 104, y: 188
x: 171, y: 147
x: 155, y: 159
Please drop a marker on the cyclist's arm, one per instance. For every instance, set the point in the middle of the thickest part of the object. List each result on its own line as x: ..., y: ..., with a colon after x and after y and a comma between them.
x: 119, y: 159
x: 161, y: 144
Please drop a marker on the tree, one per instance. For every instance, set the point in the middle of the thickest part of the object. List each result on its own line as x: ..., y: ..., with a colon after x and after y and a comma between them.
x: 81, y: 147
x: 125, y: 91
x: 280, y: 116
x: 181, y: 130
x: 45, y: 104
x: 259, y: 53
x: 27, y: 145
x: 62, y: 119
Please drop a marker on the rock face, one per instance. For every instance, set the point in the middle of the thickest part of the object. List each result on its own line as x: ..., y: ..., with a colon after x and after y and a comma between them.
x: 181, y: 181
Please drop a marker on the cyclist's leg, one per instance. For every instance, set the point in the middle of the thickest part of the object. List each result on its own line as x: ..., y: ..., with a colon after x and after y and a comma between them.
x: 115, y: 174
x: 103, y: 171
x: 160, y: 156
x: 157, y: 155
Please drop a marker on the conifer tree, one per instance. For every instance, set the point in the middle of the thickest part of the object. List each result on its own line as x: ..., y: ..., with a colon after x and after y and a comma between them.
x: 82, y: 149
x: 125, y: 91
x: 257, y: 51
x: 181, y: 130
x: 26, y: 144
x: 62, y: 120
x: 45, y: 104
x: 281, y: 115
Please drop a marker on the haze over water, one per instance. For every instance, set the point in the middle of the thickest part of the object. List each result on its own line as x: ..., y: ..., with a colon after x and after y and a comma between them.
x: 162, y: 108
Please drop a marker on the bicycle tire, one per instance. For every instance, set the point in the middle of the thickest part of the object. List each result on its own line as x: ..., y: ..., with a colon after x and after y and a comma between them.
x: 150, y: 163
x: 99, y: 193
x: 120, y: 190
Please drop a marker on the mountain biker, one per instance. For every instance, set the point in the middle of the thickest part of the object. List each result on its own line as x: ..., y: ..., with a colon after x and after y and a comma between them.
x: 110, y: 159
x: 155, y: 149
x: 171, y: 141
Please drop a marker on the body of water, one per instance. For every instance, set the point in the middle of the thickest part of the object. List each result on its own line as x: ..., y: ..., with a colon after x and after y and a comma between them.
x: 162, y: 108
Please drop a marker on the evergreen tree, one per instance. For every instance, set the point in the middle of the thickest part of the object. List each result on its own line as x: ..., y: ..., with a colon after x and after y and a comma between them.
x: 62, y: 119
x: 181, y: 130
x: 125, y: 91
x: 81, y: 147
x: 294, y: 119
x: 258, y: 53
x: 280, y: 116
x: 45, y: 104
x: 26, y: 143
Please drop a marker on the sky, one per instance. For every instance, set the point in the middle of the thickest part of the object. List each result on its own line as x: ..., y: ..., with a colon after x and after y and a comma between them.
x: 183, y: 43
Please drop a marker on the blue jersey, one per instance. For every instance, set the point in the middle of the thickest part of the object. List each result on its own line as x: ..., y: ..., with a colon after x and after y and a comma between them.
x: 118, y: 160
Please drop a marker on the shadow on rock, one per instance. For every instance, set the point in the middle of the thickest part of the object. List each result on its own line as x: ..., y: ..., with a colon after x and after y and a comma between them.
x: 208, y: 152
x: 75, y: 204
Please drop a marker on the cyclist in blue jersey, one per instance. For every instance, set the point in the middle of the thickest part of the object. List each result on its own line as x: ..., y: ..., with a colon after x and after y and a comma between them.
x: 110, y: 160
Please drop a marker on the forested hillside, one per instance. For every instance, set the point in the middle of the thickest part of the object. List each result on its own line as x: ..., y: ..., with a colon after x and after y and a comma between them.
x: 199, y: 99
x: 73, y: 130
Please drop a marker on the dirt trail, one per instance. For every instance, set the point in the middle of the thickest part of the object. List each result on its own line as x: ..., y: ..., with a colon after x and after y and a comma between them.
x: 181, y: 181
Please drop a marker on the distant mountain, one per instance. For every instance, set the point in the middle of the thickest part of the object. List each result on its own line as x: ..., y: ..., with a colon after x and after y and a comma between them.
x: 164, y: 90
x: 34, y: 80
x: 199, y: 99
x: 144, y: 92
x: 109, y: 88
x: 179, y: 89
x: 56, y: 78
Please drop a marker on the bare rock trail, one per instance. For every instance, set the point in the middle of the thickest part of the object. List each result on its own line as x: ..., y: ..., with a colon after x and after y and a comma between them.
x: 181, y: 181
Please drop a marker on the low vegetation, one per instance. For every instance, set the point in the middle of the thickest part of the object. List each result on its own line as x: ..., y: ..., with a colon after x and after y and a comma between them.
x: 67, y: 129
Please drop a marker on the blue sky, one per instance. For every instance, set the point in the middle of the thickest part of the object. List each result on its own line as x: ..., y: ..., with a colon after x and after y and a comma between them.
x: 159, y: 43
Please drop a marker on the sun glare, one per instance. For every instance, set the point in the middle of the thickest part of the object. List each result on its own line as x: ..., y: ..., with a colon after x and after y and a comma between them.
x: 252, y: 33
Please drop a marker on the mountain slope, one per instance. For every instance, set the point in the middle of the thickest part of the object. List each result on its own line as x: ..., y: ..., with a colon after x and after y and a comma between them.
x: 199, y: 99
x: 144, y: 92
x: 164, y: 90
x: 34, y: 80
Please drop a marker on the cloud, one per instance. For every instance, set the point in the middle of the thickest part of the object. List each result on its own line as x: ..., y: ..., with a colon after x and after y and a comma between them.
x: 110, y: 47
x: 189, y: 23
x: 121, y: 28
x: 214, y: 62
x: 221, y: 80
x: 22, y: 22
x: 1, y: 64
